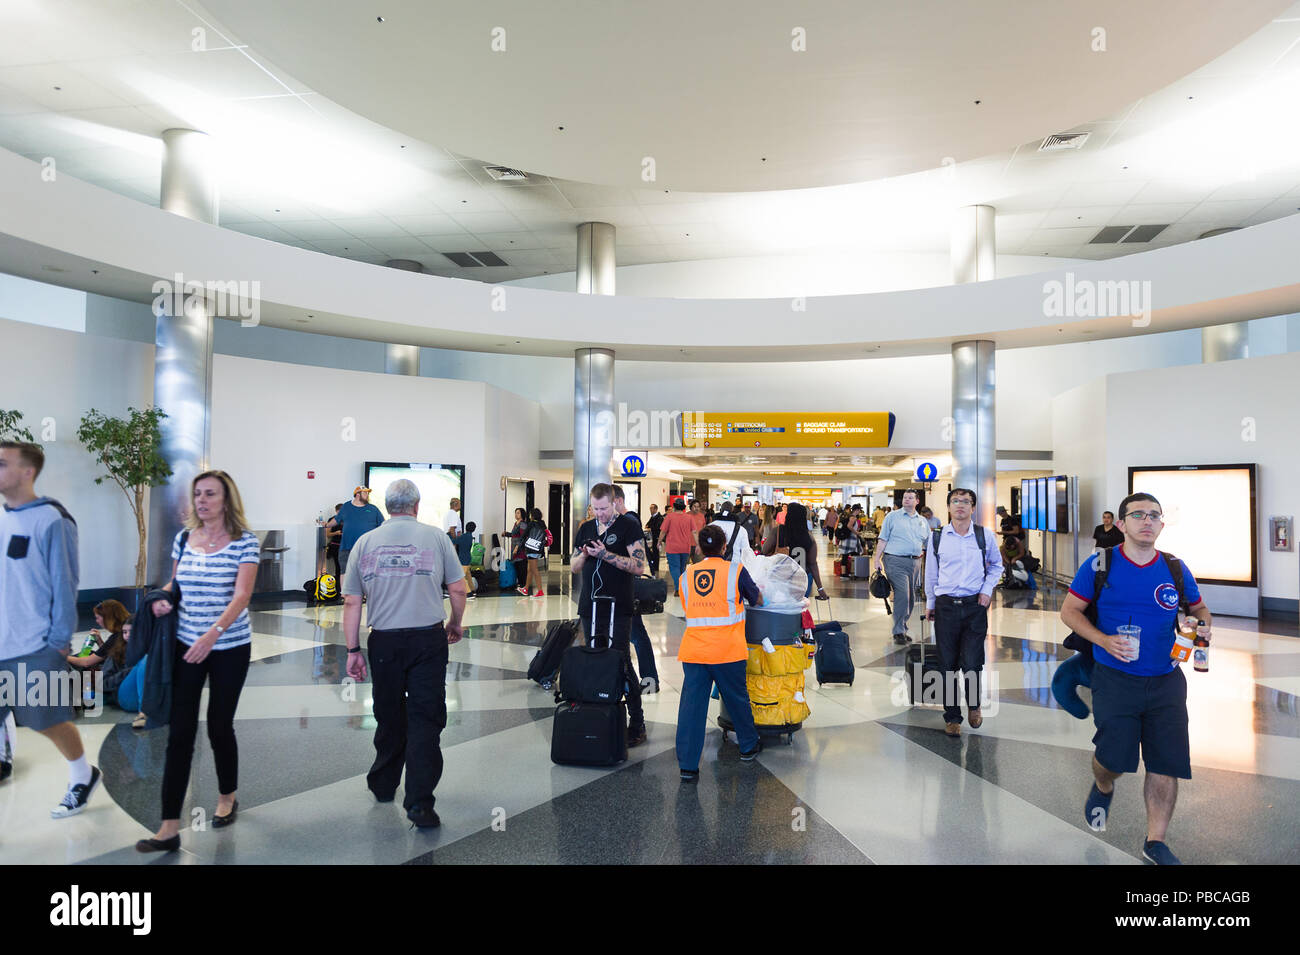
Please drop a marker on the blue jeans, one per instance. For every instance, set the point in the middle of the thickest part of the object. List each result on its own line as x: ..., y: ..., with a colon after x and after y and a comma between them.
x: 132, y: 685
x: 677, y: 567
x: 645, y: 654
x: 693, y: 711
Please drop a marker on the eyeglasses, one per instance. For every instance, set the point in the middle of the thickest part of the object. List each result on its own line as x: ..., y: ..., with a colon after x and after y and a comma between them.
x: 1142, y: 516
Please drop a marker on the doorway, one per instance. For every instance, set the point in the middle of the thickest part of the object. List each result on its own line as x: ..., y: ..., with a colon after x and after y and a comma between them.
x: 557, y: 519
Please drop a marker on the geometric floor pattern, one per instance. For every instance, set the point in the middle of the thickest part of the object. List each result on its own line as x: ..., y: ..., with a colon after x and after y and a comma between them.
x: 869, y: 779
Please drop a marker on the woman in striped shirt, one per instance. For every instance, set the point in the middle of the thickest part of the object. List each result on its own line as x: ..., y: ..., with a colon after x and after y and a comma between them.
x: 215, y: 571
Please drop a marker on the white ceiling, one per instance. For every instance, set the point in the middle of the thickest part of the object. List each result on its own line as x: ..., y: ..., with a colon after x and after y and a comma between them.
x: 1218, y: 148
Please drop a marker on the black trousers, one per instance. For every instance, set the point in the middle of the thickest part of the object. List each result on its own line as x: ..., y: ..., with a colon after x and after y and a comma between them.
x: 408, y: 670
x: 652, y: 554
x: 224, y: 671
x: 621, y: 641
x: 959, y: 632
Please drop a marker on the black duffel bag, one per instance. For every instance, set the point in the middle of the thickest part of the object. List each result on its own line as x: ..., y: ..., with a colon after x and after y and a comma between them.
x: 649, y: 594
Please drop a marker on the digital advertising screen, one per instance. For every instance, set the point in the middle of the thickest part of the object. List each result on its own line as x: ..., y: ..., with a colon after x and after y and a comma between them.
x: 438, y: 484
x: 1209, y: 518
x: 1040, y: 487
x: 1028, y: 505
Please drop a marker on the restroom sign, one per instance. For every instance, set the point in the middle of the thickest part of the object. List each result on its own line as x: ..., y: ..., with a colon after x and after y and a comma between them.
x: 927, y: 472
x: 633, y: 466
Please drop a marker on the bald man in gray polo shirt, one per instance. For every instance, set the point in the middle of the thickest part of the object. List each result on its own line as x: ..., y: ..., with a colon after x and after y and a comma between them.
x: 401, y: 567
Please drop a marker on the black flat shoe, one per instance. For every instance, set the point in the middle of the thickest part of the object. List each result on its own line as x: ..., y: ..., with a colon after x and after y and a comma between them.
x: 220, y: 822
x: 159, y: 845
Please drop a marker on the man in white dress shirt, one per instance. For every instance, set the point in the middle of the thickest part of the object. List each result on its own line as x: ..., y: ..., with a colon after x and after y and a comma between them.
x: 962, y: 566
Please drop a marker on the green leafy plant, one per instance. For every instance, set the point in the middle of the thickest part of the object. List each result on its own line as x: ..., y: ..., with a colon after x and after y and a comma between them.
x: 12, y: 430
x: 130, y: 450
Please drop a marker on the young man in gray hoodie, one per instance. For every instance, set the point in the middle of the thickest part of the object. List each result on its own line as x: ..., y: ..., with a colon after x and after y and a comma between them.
x: 38, y: 613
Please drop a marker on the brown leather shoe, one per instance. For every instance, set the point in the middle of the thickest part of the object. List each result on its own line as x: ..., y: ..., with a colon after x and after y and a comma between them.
x: 975, y: 718
x: 952, y: 729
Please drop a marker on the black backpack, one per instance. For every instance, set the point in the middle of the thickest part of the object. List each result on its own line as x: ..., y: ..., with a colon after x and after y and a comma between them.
x: 1100, y: 583
x: 729, y: 552
x: 937, y: 535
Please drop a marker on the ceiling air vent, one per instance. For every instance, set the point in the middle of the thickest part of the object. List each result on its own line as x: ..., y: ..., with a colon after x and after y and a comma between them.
x: 1145, y: 233
x: 1112, y: 233
x: 1127, y: 233
x: 474, y: 260
x: 505, y: 174
x: 1059, y: 141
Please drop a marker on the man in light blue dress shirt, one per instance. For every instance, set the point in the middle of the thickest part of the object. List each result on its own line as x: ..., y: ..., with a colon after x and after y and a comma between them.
x: 902, y: 540
x: 959, y: 582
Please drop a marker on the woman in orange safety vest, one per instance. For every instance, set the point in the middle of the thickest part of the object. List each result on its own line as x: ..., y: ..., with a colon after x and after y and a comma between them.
x: 713, y: 651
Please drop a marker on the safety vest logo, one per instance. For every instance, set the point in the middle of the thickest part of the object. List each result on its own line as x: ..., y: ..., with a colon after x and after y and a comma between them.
x: 704, y: 582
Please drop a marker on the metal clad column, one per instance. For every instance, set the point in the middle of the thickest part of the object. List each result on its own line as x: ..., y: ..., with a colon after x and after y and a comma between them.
x: 1225, y: 342
x: 593, y: 426
x: 596, y: 259
x: 183, y: 350
x: 402, y: 359
x: 974, y: 445
x: 593, y: 377
x: 974, y: 371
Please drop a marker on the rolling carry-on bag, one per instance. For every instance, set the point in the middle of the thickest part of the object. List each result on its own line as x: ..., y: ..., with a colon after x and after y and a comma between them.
x: 546, y: 661
x: 589, y: 734
x: 588, y: 675
x: 834, y: 659
x: 919, y: 660
x: 861, y: 565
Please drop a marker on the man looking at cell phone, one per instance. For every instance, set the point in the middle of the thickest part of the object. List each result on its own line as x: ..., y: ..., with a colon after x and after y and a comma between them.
x: 609, y: 553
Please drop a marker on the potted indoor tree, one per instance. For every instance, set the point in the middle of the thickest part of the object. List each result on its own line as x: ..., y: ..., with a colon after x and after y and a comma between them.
x: 130, y: 450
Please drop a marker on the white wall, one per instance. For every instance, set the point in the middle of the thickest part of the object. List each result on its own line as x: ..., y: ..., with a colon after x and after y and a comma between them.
x: 1080, y: 437
x: 60, y: 375
x: 274, y: 422
x: 1188, y: 415
x: 1195, y: 416
x: 786, y: 276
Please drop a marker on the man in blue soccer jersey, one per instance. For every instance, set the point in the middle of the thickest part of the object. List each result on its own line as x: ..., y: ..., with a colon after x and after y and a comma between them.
x: 1137, y: 699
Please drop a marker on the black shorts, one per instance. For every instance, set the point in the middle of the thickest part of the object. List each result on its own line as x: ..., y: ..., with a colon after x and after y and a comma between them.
x: 1150, y: 711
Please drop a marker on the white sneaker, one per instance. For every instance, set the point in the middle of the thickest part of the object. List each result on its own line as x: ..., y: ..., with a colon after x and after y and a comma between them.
x: 75, y: 799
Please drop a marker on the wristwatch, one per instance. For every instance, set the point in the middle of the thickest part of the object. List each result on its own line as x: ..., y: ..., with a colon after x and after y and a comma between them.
x: 354, y: 649
x: 218, y: 629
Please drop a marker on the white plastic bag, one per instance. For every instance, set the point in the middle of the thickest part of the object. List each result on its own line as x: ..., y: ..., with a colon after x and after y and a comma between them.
x: 782, y: 581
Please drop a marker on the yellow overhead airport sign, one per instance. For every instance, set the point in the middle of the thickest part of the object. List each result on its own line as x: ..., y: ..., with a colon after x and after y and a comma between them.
x: 730, y: 429
x: 806, y: 491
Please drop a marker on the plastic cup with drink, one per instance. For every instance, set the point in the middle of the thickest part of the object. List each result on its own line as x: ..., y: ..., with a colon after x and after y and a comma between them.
x: 1130, y: 636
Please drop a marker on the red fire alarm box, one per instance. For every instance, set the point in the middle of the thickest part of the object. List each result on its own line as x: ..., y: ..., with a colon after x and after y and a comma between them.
x: 311, y: 475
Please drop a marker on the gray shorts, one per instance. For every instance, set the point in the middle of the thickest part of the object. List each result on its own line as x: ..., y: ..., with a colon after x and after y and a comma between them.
x: 39, y: 689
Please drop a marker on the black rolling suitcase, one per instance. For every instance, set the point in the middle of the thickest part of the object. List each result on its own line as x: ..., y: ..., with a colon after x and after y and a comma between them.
x: 922, y: 659
x: 833, y: 659
x: 546, y: 661
x: 589, y: 734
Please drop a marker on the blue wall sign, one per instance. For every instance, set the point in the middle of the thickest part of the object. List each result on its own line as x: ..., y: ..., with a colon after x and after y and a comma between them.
x: 633, y: 466
x: 927, y: 472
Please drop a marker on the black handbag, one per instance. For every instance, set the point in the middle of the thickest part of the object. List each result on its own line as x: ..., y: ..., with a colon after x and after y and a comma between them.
x: 879, y: 585
x: 649, y: 594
